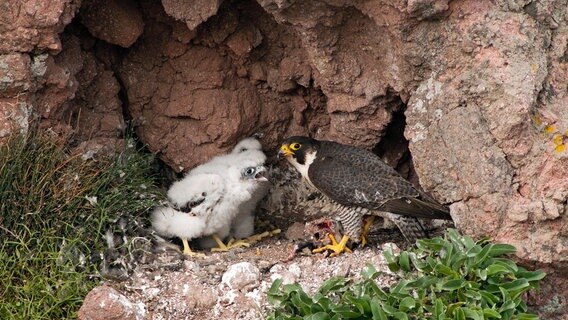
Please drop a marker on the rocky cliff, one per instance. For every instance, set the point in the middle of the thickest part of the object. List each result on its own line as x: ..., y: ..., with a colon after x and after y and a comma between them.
x: 475, y: 91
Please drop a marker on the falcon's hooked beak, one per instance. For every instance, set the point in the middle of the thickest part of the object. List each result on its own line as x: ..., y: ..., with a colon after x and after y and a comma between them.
x: 284, y: 152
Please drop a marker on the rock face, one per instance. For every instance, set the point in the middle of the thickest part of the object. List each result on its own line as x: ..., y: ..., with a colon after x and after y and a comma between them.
x: 478, y: 88
x: 64, y: 80
x: 489, y: 116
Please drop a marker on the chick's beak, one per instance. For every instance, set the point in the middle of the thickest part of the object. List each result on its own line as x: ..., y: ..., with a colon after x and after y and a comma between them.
x: 284, y: 152
x: 261, y: 175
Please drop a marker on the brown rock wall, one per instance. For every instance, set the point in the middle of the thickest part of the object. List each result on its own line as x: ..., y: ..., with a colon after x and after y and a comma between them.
x: 482, y: 85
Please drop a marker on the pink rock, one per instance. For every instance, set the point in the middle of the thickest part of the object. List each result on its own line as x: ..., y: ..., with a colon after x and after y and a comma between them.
x: 106, y: 303
x: 118, y: 21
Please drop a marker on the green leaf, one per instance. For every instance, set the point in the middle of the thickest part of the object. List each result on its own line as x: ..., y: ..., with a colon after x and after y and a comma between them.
x: 489, y: 298
x: 388, y: 309
x: 500, y: 249
x: 491, y: 313
x: 435, y: 244
x: 531, y: 275
x: 404, y: 261
x: 377, y: 311
x: 439, y: 311
x: 504, y: 262
x: 359, y: 303
x: 323, y: 302
x: 459, y: 314
x: 472, y: 294
x: 482, y: 255
x: 332, y: 284
x: 516, y: 285
x: 369, y: 272
x: 497, y: 268
x: 274, y: 288
x: 302, y: 306
x: 481, y: 274
x: 292, y: 287
x: 391, y: 260
x: 400, y: 287
x: 400, y: 316
x: 423, y: 282
x: 445, y: 270
x: 476, y: 314
x: 407, y: 304
x: 345, y: 312
x: 453, y: 284
x: 507, y: 305
x: 317, y: 316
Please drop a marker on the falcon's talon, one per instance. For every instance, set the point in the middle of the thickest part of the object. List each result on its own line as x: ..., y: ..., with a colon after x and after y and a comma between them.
x: 337, y: 248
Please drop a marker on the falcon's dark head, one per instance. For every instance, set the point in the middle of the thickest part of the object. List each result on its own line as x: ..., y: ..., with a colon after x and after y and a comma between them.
x: 299, y: 151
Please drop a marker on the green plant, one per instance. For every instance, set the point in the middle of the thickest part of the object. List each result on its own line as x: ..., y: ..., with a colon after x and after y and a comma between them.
x: 54, y: 210
x: 452, y: 277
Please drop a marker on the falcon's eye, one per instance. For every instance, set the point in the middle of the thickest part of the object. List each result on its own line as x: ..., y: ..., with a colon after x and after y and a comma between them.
x: 295, y: 146
x: 249, y: 171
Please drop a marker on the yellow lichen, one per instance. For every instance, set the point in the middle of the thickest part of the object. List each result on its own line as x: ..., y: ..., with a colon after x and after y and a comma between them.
x: 558, y: 139
x: 560, y: 148
x: 550, y: 129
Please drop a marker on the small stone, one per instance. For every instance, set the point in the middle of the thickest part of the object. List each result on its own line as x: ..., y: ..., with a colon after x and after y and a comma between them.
x: 243, y: 275
x: 105, y: 302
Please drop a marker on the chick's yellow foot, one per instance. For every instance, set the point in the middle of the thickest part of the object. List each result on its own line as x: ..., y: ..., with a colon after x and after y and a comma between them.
x: 232, y: 244
x: 187, y: 250
x: 368, y: 222
x: 247, y: 242
x: 257, y: 237
x: 337, y: 248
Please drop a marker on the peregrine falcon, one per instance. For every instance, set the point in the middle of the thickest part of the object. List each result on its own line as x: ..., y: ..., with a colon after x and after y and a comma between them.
x: 360, y: 184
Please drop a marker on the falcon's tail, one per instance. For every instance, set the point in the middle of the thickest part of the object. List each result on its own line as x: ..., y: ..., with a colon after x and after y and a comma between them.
x: 420, y: 208
x: 410, y: 227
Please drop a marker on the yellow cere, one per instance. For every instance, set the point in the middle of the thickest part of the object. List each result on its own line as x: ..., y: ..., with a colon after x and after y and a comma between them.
x: 284, y: 148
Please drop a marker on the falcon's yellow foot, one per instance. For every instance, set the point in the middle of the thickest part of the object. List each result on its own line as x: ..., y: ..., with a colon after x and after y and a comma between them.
x: 187, y: 250
x: 232, y: 244
x: 337, y: 248
x: 368, y: 222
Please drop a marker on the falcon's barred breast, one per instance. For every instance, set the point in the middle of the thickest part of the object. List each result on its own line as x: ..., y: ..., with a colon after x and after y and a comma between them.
x: 360, y: 183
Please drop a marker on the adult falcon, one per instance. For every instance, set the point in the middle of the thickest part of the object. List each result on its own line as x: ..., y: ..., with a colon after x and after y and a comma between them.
x: 360, y: 185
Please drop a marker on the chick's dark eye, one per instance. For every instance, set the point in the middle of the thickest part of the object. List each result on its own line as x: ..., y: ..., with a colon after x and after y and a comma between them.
x: 295, y: 146
x: 249, y: 171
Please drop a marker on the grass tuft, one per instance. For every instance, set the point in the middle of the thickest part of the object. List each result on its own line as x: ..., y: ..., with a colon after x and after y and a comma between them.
x: 54, y: 209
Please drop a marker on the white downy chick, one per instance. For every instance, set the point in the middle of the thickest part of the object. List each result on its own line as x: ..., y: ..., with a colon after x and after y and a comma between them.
x: 206, y: 203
